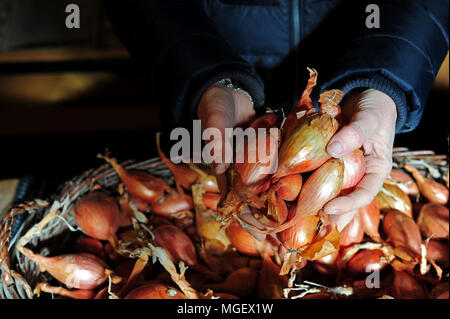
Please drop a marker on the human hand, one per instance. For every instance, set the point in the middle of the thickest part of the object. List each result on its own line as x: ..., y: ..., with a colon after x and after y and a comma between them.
x: 372, y: 115
x: 221, y: 107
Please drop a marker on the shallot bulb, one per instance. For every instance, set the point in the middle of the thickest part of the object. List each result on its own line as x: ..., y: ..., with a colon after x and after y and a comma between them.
x: 254, y: 169
x: 241, y: 283
x: 322, y: 186
x: 354, y: 169
x: 90, y: 245
x: 353, y: 233
x: 406, y: 287
x: 437, y: 251
x: 392, y: 197
x: 288, y: 187
x: 404, y: 181
x: 270, y: 283
x: 155, y: 290
x: 431, y: 190
x: 177, y: 244
x: 172, y: 203
x: 97, y: 215
x: 304, y: 148
x: 433, y: 220
x: 370, y: 220
x: 80, y: 271
x: 402, y: 231
x: 139, y: 184
x: 241, y: 240
x: 328, y: 265
x: 367, y: 260
x: 301, y: 233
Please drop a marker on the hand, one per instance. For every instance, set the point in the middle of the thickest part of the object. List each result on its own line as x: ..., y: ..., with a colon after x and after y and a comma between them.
x: 223, y: 107
x: 372, y: 115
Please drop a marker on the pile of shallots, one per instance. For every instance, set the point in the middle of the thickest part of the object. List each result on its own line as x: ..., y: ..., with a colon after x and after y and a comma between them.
x: 263, y: 234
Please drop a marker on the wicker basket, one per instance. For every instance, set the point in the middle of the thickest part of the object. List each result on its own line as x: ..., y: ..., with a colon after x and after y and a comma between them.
x: 19, y: 274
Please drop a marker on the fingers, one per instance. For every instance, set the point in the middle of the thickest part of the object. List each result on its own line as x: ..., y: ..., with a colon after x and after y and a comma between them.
x: 369, y: 111
x: 342, y: 220
x: 353, y: 135
x: 377, y: 170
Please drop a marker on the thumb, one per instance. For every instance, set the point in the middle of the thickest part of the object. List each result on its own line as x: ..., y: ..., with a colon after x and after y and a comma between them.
x: 363, y: 126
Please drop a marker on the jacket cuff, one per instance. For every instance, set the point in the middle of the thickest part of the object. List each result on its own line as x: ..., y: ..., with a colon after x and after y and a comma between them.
x: 375, y: 81
x: 190, y: 65
x: 405, y: 66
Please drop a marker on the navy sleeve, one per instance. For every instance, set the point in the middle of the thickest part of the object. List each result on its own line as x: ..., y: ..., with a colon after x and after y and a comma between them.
x: 401, y: 58
x: 180, y: 48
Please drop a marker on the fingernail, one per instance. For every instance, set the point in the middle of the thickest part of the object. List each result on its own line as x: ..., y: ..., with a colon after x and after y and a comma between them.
x: 333, y: 212
x: 335, y: 148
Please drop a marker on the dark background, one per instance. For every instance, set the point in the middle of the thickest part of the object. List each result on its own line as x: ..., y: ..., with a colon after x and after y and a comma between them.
x: 66, y: 95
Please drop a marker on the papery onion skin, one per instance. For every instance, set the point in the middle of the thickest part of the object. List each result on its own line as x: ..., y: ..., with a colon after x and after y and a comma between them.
x: 431, y: 190
x: 404, y: 181
x: 402, y: 231
x: 353, y: 233
x: 288, y: 187
x: 241, y: 240
x: 301, y: 234
x: 155, y: 290
x: 406, y: 287
x: 303, y: 107
x: 80, y: 271
x: 276, y: 208
x: 370, y: 220
x: 172, y: 203
x: 97, y: 215
x: 177, y: 244
x: 304, y: 148
x: 433, y: 221
x: 183, y: 175
x: 354, y: 169
x: 400, y: 201
x: 211, y: 200
x: 366, y: 260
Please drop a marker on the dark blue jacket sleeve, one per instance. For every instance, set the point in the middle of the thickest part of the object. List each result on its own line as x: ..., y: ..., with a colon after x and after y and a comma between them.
x: 176, y: 43
x: 401, y: 58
